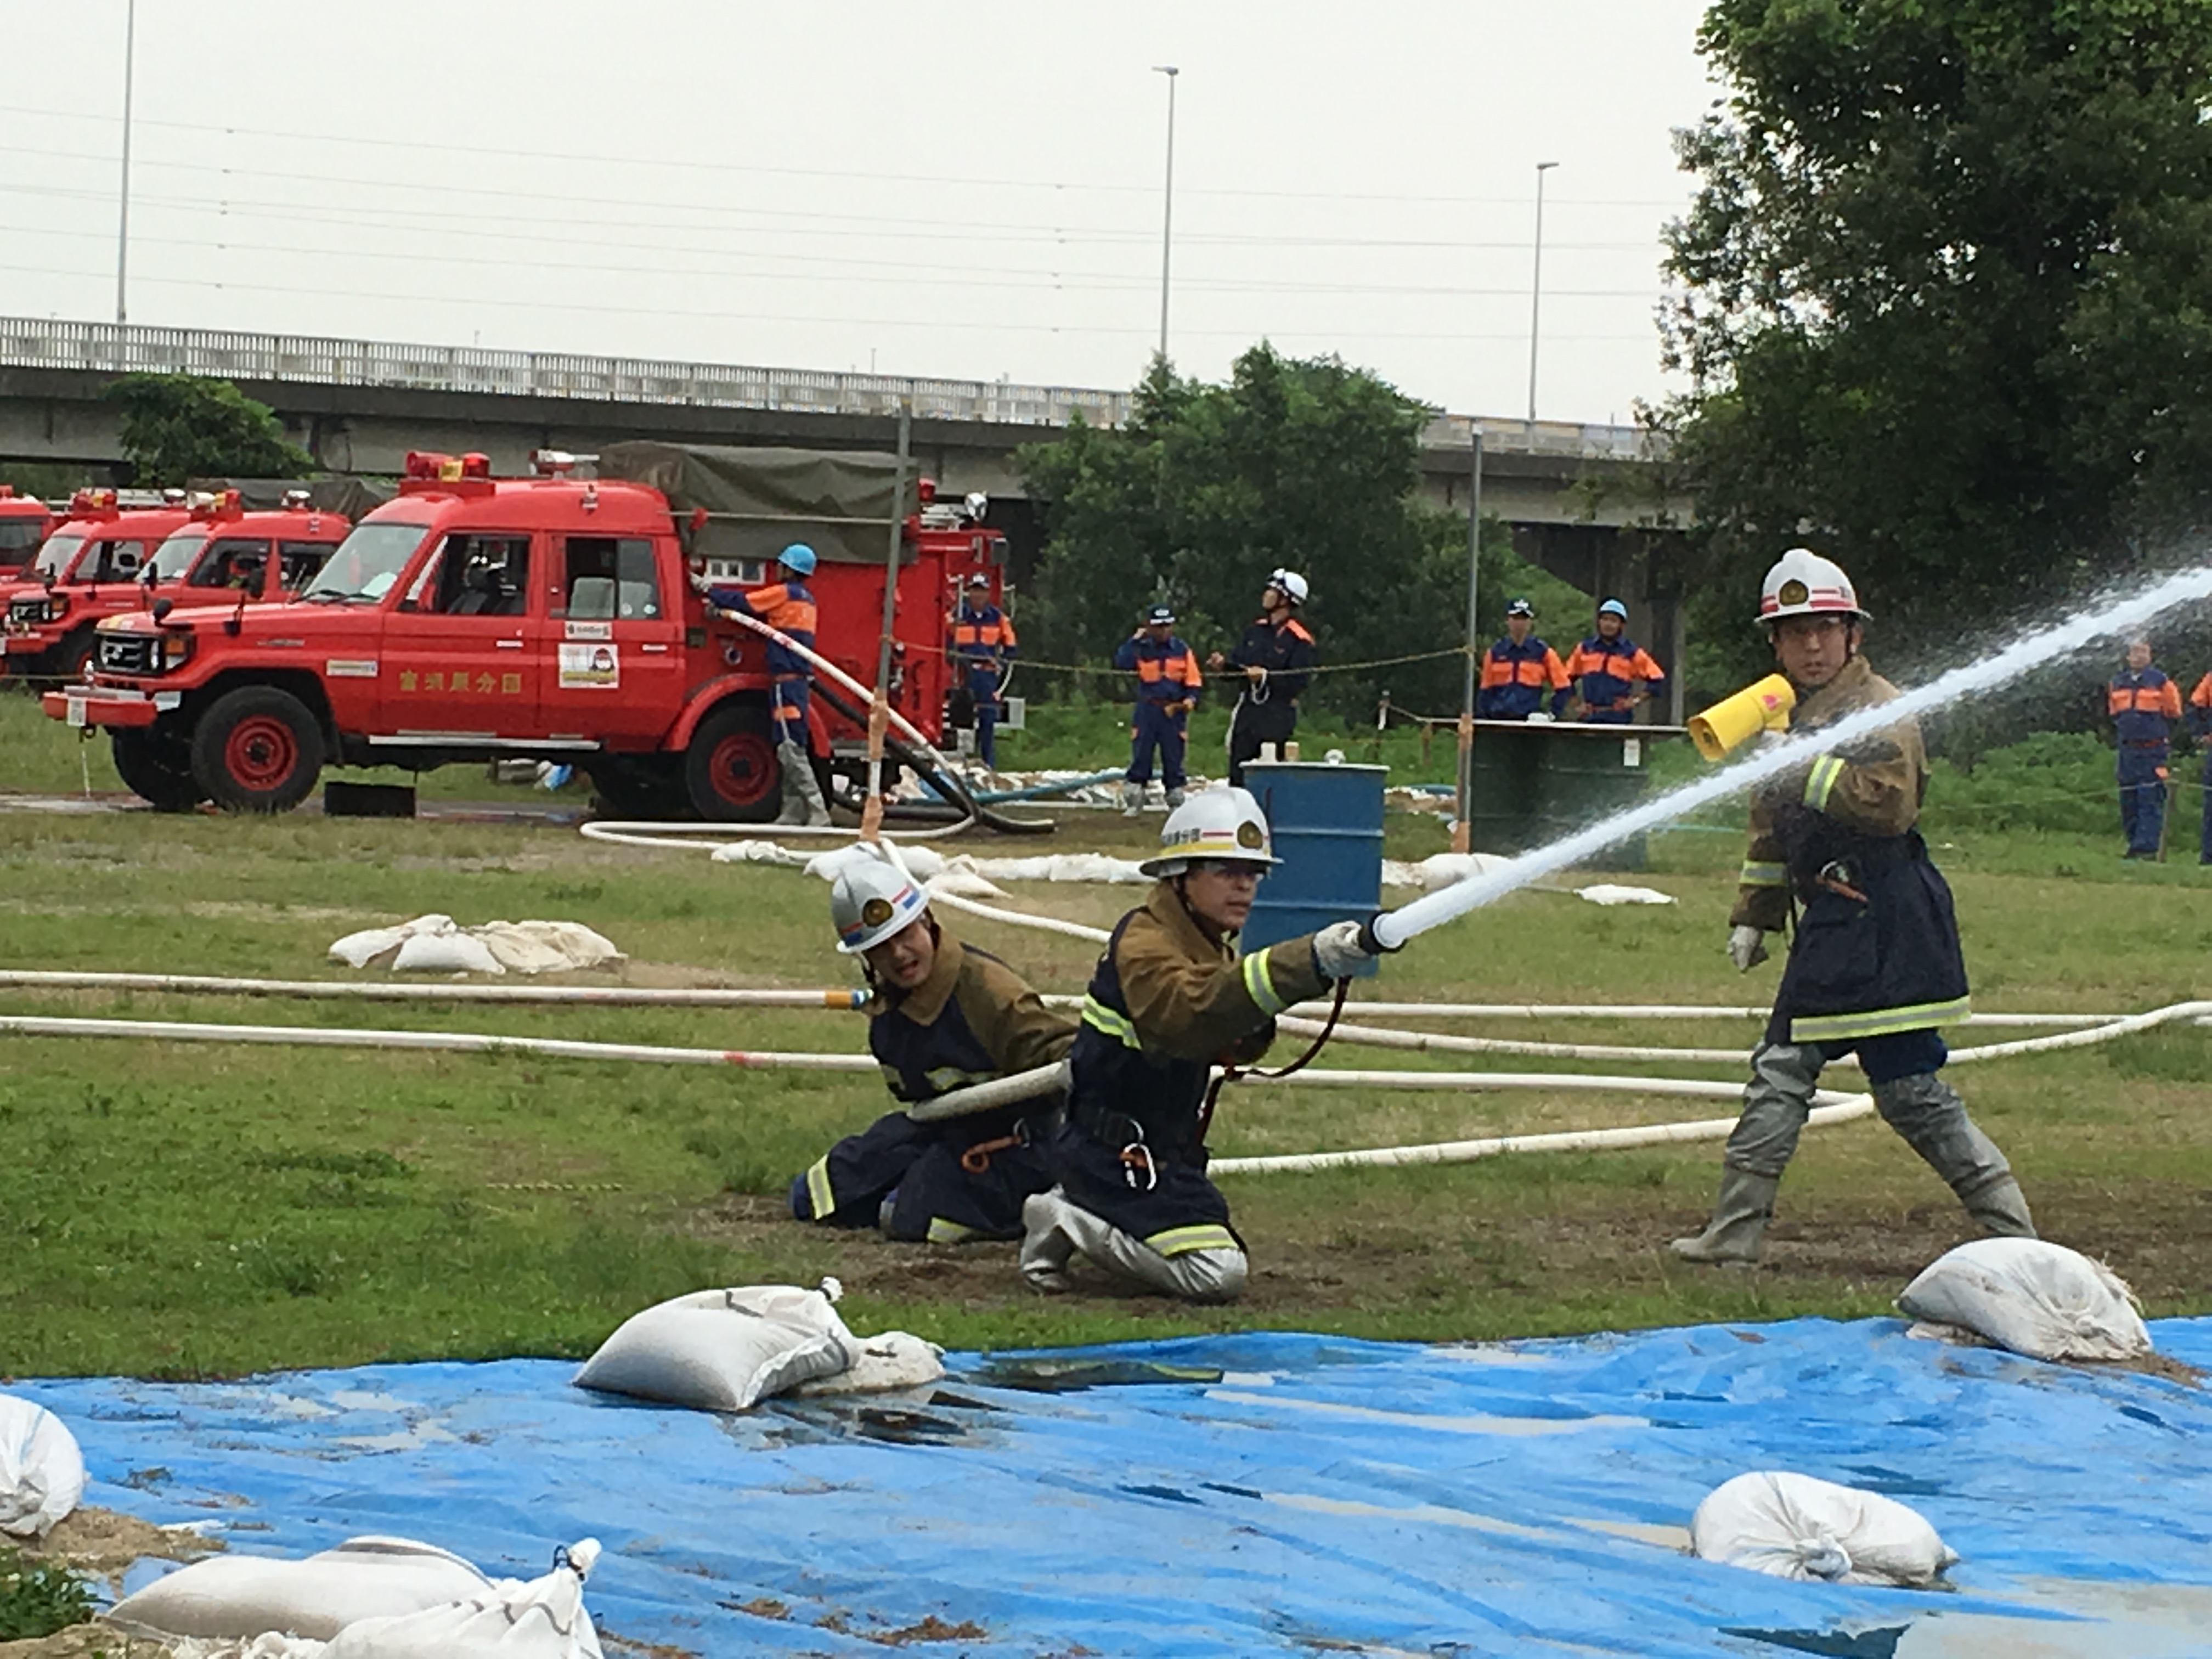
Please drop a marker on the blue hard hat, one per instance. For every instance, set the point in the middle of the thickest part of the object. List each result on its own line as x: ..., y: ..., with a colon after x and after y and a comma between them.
x: 1613, y: 608
x: 1160, y: 616
x: 1519, y: 608
x: 797, y: 557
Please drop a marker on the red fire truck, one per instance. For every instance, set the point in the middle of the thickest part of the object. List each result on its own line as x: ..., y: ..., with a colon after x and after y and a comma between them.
x: 24, y: 522
x: 551, y: 617
x: 86, y: 568
x: 222, y: 554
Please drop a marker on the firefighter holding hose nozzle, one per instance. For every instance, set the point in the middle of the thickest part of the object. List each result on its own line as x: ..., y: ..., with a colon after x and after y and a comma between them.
x: 1874, y: 964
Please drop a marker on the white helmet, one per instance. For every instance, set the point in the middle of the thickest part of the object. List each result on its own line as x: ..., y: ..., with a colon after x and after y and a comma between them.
x: 1290, y: 584
x: 871, y: 902
x: 1803, y: 584
x: 1223, y: 824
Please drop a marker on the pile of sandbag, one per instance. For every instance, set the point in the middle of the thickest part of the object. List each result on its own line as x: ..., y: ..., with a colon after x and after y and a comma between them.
x: 370, y: 1598
x: 1794, y: 1526
x: 727, y: 1350
x: 2031, y: 1296
x: 41, y: 1470
x: 439, y: 944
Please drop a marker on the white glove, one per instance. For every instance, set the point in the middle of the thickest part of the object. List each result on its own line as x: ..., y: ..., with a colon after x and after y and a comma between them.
x: 1340, y: 949
x: 701, y: 581
x: 1747, y: 948
x: 1540, y: 718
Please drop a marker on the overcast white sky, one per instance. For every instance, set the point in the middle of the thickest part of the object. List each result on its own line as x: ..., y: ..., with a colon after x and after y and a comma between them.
x: 938, y: 189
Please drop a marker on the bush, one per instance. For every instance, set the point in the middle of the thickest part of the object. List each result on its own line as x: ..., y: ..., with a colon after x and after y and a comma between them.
x: 37, y: 1598
x: 2058, y: 780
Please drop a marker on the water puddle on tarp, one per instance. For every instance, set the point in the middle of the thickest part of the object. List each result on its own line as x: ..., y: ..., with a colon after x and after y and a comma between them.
x: 1242, y: 1494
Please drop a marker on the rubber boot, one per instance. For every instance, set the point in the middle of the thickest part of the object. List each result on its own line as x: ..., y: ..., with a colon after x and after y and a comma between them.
x: 1741, y: 1214
x: 1056, y: 1229
x: 1133, y: 799
x: 1175, y: 798
x: 802, y: 790
x: 1927, y: 1113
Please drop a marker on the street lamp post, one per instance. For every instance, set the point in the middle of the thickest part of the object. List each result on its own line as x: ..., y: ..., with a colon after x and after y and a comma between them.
x: 1536, y: 287
x: 1167, y: 211
x: 123, y: 217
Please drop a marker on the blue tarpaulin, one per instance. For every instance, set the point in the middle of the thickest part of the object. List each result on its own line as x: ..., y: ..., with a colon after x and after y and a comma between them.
x: 1255, y: 1493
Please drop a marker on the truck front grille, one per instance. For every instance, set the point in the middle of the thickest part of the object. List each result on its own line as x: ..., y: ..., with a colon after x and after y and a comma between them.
x: 129, y: 653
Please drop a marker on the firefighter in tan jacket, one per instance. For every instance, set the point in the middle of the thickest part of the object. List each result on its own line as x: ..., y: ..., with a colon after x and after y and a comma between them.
x: 1875, y: 965
x: 1170, y: 998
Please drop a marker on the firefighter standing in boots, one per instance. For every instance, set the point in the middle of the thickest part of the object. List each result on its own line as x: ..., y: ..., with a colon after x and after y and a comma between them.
x: 2142, y: 703
x: 1277, y: 658
x: 1167, y: 684
x: 943, y: 1015
x: 980, y: 641
x: 1170, y: 998
x: 789, y: 607
x: 1875, y: 963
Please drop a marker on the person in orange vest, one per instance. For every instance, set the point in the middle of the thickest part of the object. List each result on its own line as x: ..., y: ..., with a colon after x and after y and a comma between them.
x: 1612, y: 671
x: 982, y: 641
x: 1517, y: 670
x: 1167, y: 691
x: 2142, y: 703
x: 2200, y: 722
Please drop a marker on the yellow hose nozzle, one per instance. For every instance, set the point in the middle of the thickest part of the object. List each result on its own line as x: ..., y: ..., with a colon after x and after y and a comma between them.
x: 1734, y: 722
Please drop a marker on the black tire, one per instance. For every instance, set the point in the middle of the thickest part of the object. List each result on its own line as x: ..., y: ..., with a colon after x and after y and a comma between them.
x: 639, y: 786
x: 157, y: 766
x: 729, y: 770
x: 257, y: 749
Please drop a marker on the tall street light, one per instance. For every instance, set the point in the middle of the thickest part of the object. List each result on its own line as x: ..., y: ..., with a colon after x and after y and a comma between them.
x: 123, y: 218
x: 1167, y: 211
x: 1536, y: 286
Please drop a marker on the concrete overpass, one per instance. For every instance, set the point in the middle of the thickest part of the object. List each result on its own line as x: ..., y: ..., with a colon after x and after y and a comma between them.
x: 1575, y: 495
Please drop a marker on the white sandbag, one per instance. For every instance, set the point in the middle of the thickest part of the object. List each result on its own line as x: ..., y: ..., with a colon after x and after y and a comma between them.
x: 544, y: 1618
x: 723, y: 1350
x: 1442, y: 870
x: 243, y: 1597
x: 1605, y: 892
x: 546, y: 947
x: 921, y: 862
x: 895, y: 1359
x: 41, y: 1470
x: 2032, y: 1297
x: 451, y: 952
x: 1794, y: 1526
x: 1054, y: 866
x: 759, y: 852
x: 374, y: 944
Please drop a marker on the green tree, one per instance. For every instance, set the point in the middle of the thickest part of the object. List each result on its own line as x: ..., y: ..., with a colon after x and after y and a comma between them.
x: 1299, y: 463
x: 177, y: 428
x: 1946, y: 300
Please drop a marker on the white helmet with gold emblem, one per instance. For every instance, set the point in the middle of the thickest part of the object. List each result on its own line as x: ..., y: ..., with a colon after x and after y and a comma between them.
x: 871, y: 902
x: 1803, y: 584
x: 1222, y: 824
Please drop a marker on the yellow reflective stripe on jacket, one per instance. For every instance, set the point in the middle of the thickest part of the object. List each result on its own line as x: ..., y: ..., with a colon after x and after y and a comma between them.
x: 1182, y: 1241
x: 822, y: 1201
x: 1757, y: 874
x: 945, y: 1079
x: 1261, y: 987
x: 1878, y: 1022
x: 942, y: 1231
x: 1821, y: 780
x: 1098, y: 1016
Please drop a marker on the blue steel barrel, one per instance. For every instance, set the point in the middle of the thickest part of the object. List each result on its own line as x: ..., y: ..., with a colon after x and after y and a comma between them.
x: 1328, y: 826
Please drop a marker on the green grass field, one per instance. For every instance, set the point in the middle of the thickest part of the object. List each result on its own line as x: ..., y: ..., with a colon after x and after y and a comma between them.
x: 190, y: 1209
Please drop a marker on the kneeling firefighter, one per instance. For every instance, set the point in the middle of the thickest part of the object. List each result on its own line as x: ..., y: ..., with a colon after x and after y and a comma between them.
x: 1874, y: 964
x: 1169, y: 999
x: 945, y: 1015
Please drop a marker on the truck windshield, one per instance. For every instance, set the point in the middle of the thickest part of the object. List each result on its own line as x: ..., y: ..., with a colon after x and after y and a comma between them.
x: 175, y: 555
x: 366, y: 564
x: 16, y: 534
x: 58, y: 556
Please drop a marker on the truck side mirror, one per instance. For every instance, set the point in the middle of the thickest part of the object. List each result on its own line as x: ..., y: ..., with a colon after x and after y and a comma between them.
x: 162, y: 607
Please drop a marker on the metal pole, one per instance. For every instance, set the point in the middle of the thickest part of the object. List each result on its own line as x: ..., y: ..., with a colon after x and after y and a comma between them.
x: 1167, y: 210
x: 1461, y: 833
x: 1536, y: 286
x: 879, y: 707
x: 123, y: 220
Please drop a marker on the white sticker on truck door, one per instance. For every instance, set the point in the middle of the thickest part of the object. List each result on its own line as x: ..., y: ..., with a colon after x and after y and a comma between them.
x: 585, y: 667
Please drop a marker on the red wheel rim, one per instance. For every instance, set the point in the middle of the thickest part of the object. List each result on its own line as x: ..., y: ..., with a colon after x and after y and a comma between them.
x: 261, y: 752
x: 743, y: 768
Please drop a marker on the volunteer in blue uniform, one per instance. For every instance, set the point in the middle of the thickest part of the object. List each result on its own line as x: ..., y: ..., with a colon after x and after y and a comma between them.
x: 789, y: 607
x: 1521, y: 675
x: 2200, y: 722
x: 979, y: 639
x: 1875, y: 965
x: 1277, y: 657
x: 1168, y: 685
x: 1612, y: 673
x: 943, y: 1015
x: 1171, y: 997
x: 2143, y: 704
